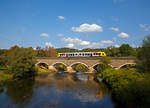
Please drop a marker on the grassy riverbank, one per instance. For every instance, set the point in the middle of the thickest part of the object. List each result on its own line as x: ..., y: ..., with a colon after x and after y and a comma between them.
x: 129, y: 87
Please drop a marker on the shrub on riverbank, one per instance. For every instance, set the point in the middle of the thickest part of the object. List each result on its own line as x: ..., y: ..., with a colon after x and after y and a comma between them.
x: 104, y: 64
x: 22, y: 62
x: 128, y: 87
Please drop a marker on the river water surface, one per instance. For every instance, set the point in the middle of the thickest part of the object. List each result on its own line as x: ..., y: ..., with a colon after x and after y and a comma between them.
x: 59, y: 90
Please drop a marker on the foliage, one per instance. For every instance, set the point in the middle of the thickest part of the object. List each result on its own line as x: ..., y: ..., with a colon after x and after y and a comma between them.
x: 3, y: 62
x: 22, y: 62
x: 143, y: 62
x: 104, y: 64
x: 129, y: 87
x: 11, y: 50
x: 126, y: 50
x: 81, y: 68
x: 40, y: 52
x: 43, y: 70
x: 2, y: 52
x: 62, y: 67
x: 4, y: 76
x: 60, y: 50
x: 112, y: 51
x: 51, y: 52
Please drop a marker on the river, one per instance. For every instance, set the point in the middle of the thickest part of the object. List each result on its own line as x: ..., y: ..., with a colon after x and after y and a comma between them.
x: 57, y: 90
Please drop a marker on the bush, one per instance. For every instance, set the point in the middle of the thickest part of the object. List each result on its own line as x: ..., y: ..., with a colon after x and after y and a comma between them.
x: 22, y: 62
x: 104, y: 64
x: 128, y: 87
x: 81, y: 68
x: 143, y: 62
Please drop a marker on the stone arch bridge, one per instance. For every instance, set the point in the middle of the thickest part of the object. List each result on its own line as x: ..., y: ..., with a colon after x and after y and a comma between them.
x: 90, y: 62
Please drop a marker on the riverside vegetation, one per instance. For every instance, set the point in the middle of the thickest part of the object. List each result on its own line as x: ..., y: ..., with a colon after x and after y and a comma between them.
x: 131, y: 87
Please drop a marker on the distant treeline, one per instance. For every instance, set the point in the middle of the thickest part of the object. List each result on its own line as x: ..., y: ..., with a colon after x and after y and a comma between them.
x: 123, y: 50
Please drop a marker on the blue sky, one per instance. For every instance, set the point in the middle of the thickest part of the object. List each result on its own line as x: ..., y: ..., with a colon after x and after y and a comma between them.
x: 73, y: 23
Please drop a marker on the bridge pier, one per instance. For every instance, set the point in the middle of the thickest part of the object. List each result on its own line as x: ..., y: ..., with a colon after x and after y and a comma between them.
x: 52, y: 68
x: 91, y: 70
x: 70, y: 70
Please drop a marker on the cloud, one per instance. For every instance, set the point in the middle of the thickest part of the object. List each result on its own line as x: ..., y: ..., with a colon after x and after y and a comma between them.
x: 48, y: 44
x: 60, y: 34
x: 145, y: 27
x: 61, y: 17
x: 70, y: 45
x: 123, y: 35
x: 107, y: 42
x: 117, y: 46
x: 80, y: 44
x: 114, y: 29
x: 44, y: 34
x: 88, y: 28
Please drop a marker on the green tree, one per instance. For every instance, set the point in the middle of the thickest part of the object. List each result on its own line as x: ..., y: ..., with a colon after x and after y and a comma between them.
x: 22, y: 62
x: 143, y: 62
x: 81, y: 68
x: 126, y: 50
x: 40, y: 52
x: 104, y: 64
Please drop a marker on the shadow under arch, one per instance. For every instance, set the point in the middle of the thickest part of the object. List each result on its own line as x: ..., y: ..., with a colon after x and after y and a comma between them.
x: 42, y: 65
x: 73, y: 65
x: 95, y: 66
x: 128, y: 65
x: 60, y: 66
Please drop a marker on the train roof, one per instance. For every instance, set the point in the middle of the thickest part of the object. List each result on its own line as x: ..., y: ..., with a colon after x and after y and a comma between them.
x: 81, y: 52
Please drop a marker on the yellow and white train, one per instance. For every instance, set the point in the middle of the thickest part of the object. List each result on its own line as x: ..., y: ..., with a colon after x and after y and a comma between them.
x: 81, y: 54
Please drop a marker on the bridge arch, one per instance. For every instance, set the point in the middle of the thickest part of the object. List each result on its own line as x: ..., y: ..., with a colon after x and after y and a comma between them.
x: 126, y: 64
x: 100, y: 63
x: 42, y: 64
x: 73, y: 65
x: 58, y: 63
x: 97, y: 64
x: 59, y: 66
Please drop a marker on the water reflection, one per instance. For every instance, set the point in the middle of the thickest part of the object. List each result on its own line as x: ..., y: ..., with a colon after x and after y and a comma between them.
x: 58, y: 90
x: 20, y: 91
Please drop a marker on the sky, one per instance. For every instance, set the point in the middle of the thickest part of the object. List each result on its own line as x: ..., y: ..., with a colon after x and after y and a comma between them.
x: 73, y: 23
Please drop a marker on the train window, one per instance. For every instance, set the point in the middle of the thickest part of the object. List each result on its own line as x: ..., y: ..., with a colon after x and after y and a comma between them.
x: 80, y: 54
x: 99, y: 53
